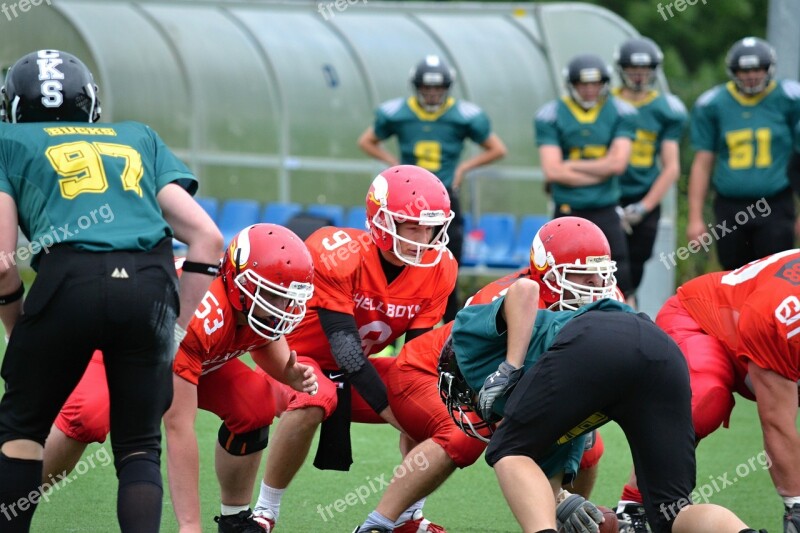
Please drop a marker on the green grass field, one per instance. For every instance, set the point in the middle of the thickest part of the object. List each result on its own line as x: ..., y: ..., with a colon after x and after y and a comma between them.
x: 470, y: 502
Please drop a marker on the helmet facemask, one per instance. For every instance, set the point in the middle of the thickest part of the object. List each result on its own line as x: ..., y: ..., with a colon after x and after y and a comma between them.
x: 262, y: 294
x: 574, y: 295
x: 459, y: 398
x: 387, y: 222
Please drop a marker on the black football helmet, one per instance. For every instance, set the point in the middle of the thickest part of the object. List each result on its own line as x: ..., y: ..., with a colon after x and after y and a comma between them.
x: 638, y: 52
x: 586, y: 68
x: 49, y: 86
x: 432, y: 71
x: 748, y: 54
x: 458, y: 396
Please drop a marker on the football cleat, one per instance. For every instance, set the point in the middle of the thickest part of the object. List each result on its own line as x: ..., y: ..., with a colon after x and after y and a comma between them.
x: 265, y: 519
x: 418, y: 524
x: 633, y: 513
x: 241, y: 522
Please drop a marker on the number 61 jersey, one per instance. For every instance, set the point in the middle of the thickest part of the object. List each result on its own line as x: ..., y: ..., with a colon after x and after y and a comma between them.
x: 753, y: 310
x: 349, y: 278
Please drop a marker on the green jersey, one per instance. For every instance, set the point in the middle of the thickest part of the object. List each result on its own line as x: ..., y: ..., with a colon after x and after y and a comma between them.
x: 92, y: 186
x: 433, y: 141
x: 662, y: 117
x: 480, y: 348
x: 584, y: 134
x: 751, y: 137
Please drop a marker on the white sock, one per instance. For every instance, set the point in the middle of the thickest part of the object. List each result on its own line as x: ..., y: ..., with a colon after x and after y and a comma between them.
x: 227, y: 510
x: 270, y: 499
x: 408, y: 514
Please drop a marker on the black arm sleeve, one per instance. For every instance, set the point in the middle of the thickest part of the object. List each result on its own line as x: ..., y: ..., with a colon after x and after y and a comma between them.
x: 342, y: 333
x: 414, y: 333
x: 793, y: 172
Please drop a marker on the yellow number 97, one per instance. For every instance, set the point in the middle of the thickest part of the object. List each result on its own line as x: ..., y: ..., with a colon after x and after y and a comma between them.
x: 81, y: 165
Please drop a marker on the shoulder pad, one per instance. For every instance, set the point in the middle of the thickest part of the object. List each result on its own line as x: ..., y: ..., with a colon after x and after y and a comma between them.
x: 391, y: 107
x: 623, y: 107
x: 791, y: 88
x: 468, y: 110
x: 706, y: 98
x: 675, y: 104
x: 548, y: 112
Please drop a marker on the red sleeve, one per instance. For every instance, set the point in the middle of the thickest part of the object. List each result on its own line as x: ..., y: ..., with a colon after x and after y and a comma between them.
x: 188, y: 362
x: 337, y: 261
x: 771, y: 337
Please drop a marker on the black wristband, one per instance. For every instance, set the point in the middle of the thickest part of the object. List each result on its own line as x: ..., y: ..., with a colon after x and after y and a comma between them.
x: 201, y: 268
x: 13, y: 297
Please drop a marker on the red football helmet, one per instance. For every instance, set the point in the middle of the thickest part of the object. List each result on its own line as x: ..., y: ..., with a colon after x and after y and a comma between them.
x: 572, y: 245
x: 268, y: 273
x: 407, y: 193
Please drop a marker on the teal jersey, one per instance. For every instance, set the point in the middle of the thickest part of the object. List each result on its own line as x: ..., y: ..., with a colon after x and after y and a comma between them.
x: 480, y: 349
x: 433, y: 141
x: 662, y: 117
x: 585, y: 135
x: 751, y: 136
x: 91, y: 186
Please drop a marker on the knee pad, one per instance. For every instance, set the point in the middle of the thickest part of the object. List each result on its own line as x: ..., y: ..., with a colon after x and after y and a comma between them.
x: 243, y: 443
x: 139, y: 466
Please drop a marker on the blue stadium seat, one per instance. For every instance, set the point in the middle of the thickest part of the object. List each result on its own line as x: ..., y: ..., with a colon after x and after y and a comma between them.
x: 209, y: 205
x: 356, y: 217
x: 236, y: 215
x: 471, y: 250
x: 528, y: 226
x: 280, y: 213
x: 331, y: 211
x: 498, y: 229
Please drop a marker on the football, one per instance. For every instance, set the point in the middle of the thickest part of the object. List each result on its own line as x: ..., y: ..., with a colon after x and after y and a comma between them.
x: 611, y: 524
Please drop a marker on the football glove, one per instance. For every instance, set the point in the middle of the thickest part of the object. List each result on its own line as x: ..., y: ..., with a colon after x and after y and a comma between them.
x: 634, y: 213
x: 791, y: 520
x: 497, y: 384
x: 576, y: 514
x: 623, y: 221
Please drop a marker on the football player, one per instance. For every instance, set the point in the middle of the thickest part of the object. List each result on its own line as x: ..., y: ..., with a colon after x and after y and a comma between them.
x: 553, y: 376
x: 738, y: 331
x: 570, y: 260
x: 584, y: 142
x: 742, y: 133
x: 105, y: 280
x: 371, y: 287
x: 431, y: 127
x: 654, y: 165
x: 260, y: 295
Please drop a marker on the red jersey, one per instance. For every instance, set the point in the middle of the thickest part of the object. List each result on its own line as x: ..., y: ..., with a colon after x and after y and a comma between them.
x: 422, y: 353
x: 213, y: 336
x: 349, y: 278
x: 753, y: 310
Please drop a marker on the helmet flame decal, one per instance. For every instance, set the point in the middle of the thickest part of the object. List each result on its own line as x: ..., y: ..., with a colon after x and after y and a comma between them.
x: 240, y: 249
x: 379, y: 191
x: 538, y: 253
